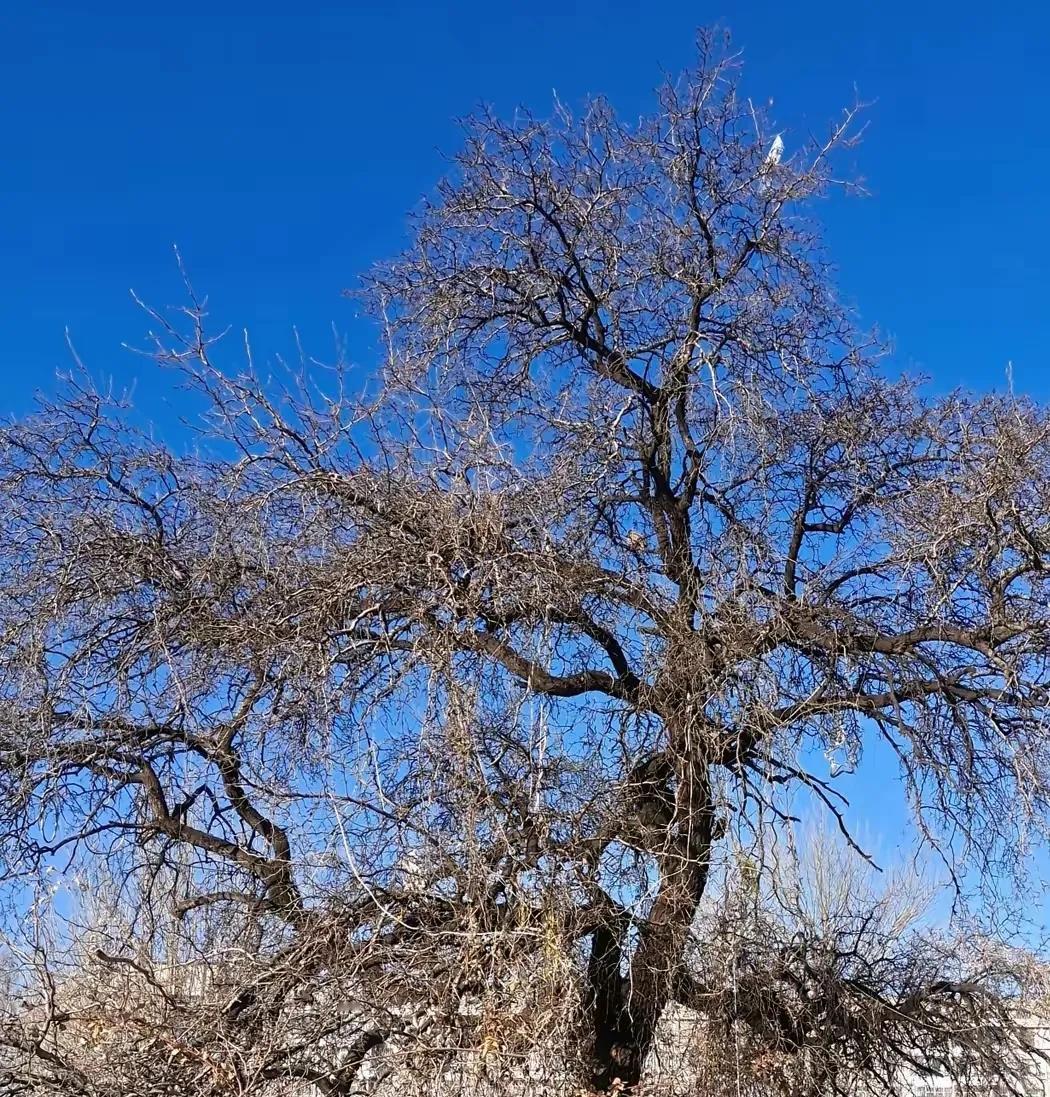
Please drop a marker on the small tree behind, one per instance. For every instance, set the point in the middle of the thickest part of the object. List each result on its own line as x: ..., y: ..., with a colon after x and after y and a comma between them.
x: 463, y: 702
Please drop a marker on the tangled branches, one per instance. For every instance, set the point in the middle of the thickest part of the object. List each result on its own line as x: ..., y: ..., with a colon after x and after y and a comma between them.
x: 426, y: 724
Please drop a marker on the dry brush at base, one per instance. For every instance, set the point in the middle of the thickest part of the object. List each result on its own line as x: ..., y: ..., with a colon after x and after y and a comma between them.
x: 824, y: 953
x: 437, y: 714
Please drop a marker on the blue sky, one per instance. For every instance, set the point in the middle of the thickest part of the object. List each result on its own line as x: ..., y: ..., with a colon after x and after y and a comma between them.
x: 281, y: 147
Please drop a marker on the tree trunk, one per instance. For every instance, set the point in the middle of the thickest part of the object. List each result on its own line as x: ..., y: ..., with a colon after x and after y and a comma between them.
x: 626, y: 1011
x: 612, y: 1035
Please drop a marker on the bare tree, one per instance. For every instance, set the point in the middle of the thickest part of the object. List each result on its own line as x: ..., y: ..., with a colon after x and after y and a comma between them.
x: 448, y: 720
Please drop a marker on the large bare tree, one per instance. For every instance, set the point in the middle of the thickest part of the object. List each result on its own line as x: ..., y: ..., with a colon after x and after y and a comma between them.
x: 452, y: 721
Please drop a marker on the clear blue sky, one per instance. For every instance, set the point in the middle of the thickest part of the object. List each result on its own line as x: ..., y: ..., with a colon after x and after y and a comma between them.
x: 280, y: 147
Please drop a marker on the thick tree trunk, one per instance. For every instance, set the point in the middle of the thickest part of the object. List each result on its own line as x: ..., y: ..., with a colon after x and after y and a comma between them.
x: 612, y: 1034
x: 626, y: 1011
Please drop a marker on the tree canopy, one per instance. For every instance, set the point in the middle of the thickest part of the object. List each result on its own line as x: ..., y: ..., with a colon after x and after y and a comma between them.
x: 455, y: 715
